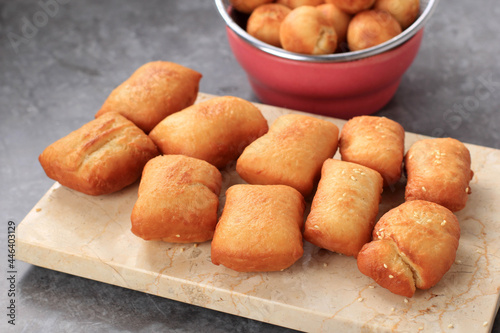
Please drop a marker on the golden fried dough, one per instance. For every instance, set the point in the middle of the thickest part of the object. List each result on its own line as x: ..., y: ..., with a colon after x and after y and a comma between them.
x: 344, y: 207
x: 375, y: 142
x: 340, y: 21
x: 155, y: 90
x: 404, y: 11
x: 178, y: 200
x: 352, y: 6
x: 260, y: 228
x: 297, y: 3
x: 247, y: 6
x: 265, y: 21
x: 438, y: 170
x: 413, y: 246
x: 291, y: 153
x: 370, y: 28
x: 306, y: 31
x: 216, y: 130
x: 101, y: 157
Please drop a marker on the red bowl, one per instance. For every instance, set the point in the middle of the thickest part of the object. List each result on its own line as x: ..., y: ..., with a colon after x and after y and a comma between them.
x: 339, y: 89
x: 340, y: 85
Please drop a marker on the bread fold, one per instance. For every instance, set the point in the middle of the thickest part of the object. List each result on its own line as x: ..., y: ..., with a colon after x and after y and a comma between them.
x: 413, y: 246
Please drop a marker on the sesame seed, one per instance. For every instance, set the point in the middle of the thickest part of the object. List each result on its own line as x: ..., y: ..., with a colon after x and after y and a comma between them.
x: 316, y: 227
x: 182, y: 249
x: 420, y: 328
x: 177, y: 236
x: 485, y: 324
x: 393, y: 309
x: 379, y: 237
x: 479, y: 251
x: 195, y: 244
x: 353, y: 178
x: 406, y: 300
x: 450, y: 326
x: 391, y: 276
x: 361, y: 299
x: 443, y: 154
x: 371, y: 287
x: 325, y: 264
x: 458, y: 261
x: 444, y: 222
x: 382, y: 136
x: 344, y: 194
x: 385, y: 266
x: 38, y: 210
x: 340, y: 199
x: 467, y: 190
x: 423, y: 189
x: 403, y: 254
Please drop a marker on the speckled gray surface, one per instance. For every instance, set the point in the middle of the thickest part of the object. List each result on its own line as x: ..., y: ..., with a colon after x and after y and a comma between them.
x: 53, y: 79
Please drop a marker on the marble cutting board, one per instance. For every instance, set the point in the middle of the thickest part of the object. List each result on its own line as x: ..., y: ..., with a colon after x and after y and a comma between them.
x: 90, y: 237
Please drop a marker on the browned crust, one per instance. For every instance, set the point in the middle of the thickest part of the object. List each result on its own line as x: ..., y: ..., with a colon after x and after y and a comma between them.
x: 417, y: 236
x: 305, y: 30
x: 260, y: 228
x: 177, y: 200
x: 265, y: 21
x: 375, y: 142
x: 101, y: 157
x: 291, y: 153
x: 344, y: 207
x: 216, y: 131
x: 154, y: 91
x: 352, y: 6
x: 439, y: 170
x: 370, y: 28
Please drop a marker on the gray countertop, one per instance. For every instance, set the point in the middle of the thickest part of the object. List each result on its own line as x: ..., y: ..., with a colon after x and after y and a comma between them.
x: 57, y: 68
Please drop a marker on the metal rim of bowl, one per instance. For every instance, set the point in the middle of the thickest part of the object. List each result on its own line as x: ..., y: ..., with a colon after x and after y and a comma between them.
x: 222, y: 6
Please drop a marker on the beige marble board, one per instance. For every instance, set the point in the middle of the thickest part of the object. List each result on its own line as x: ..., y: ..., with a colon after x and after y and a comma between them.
x: 323, y: 292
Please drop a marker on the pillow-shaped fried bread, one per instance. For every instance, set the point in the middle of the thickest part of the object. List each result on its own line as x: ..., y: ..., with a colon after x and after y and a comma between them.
x: 439, y: 170
x: 291, y: 153
x: 178, y: 200
x: 260, y: 228
x: 344, y: 208
x: 413, y: 246
x: 155, y: 90
x: 375, y: 142
x: 101, y: 157
x: 216, y: 130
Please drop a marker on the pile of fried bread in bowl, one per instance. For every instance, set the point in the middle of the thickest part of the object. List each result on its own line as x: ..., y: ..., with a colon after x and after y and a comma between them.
x: 149, y: 130
x: 319, y: 74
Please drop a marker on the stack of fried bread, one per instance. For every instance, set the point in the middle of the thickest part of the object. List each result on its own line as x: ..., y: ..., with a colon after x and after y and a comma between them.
x: 150, y: 129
